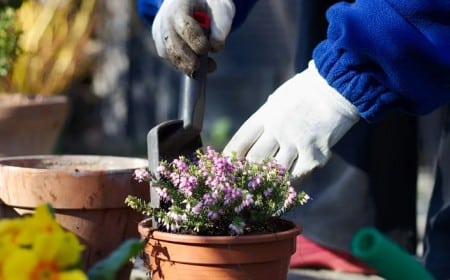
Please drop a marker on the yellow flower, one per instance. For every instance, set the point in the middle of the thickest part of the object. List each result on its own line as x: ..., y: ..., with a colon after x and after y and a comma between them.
x: 5, y: 250
x: 22, y: 231
x: 52, y: 256
x: 43, y: 220
x: 37, y: 248
x: 13, y: 230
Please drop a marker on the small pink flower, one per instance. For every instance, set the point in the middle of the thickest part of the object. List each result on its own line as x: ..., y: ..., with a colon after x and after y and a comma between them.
x: 141, y: 175
x: 213, y: 215
x: 163, y: 194
x: 292, y: 194
x: 197, y: 208
x: 237, y: 228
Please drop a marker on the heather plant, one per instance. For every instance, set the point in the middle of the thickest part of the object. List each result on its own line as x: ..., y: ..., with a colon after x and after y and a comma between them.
x: 212, y: 194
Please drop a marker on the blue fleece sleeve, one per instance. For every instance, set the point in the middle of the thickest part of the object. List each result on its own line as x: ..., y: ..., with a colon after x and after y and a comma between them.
x: 385, y: 55
x: 147, y: 10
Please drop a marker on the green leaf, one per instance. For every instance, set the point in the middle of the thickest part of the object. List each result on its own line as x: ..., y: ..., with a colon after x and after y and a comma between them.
x: 107, y: 269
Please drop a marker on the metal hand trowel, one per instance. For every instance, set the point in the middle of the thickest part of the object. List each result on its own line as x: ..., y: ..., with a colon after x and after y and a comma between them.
x: 173, y: 138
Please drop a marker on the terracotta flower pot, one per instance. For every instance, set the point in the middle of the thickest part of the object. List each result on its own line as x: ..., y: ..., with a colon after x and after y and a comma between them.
x: 87, y: 193
x: 31, y: 125
x: 181, y: 256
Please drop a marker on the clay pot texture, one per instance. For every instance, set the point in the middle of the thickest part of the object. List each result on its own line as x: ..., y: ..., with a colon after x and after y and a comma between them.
x: 31, y: 125
x: 181, y: 256
x: 87, y: 193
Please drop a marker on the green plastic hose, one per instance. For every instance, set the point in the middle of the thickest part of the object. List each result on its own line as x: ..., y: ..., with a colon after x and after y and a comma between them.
x: 382, y: 254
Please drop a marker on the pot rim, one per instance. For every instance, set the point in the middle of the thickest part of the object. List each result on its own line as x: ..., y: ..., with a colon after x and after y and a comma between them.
x: 14, y: 163
x: 39, y: 100
x: 238, y: 239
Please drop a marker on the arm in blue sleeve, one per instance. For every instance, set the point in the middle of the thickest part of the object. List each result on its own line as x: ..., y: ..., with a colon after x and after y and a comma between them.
x: 385, y: 55
x: 147, y: 10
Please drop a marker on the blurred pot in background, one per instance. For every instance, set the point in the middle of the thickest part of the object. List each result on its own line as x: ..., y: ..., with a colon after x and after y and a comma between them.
x: 44, y: 47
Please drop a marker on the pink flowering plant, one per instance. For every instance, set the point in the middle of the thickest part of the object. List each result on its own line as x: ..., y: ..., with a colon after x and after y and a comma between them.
x: 212, y: 194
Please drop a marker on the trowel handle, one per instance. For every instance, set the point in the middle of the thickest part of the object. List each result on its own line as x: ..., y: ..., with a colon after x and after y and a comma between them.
x: 193, y: 88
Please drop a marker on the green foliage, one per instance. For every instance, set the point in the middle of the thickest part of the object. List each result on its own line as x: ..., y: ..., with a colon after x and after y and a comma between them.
x: 107, y: 268
x: 138, y: 204
x: 9, y: 39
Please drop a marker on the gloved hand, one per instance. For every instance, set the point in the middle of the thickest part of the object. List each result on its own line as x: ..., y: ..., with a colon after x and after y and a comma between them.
x: 180, y: 39
x: 297, y: 125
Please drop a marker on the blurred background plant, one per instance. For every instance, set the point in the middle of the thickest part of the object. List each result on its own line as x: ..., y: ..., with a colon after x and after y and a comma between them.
x: 56, y: 45
x: 219, y: 134
x: 9, y: 36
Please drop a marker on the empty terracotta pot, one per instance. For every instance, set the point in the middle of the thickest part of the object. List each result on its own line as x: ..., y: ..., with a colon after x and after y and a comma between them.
x: 87, y: 193
x: 31, y: 125
x: 181, y: 256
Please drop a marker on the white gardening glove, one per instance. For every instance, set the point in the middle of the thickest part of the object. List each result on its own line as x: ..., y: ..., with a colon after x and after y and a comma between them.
x: 180, y: 39
x: 297, y: 125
